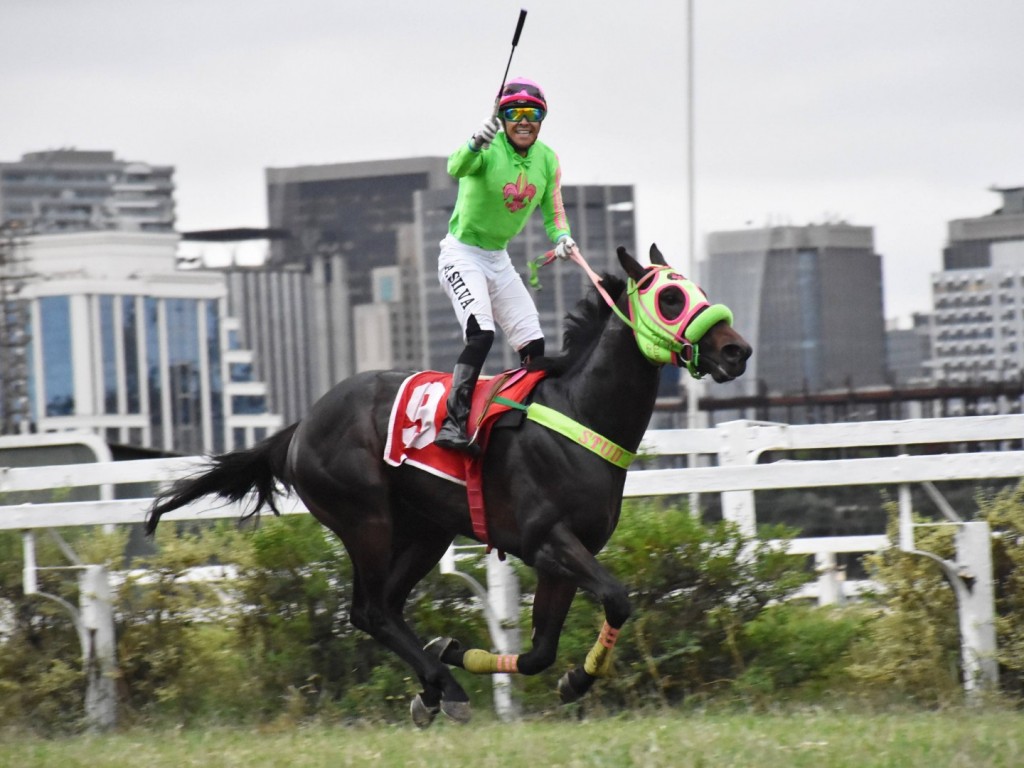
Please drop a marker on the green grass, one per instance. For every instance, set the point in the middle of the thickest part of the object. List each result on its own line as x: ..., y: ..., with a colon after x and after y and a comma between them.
x: 809, y: 738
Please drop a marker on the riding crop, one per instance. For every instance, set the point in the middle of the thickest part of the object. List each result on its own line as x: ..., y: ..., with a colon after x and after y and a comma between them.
x: 515, y: 42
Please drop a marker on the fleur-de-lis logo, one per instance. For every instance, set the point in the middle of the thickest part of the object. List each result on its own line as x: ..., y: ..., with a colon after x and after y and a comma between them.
x: 519, y: 194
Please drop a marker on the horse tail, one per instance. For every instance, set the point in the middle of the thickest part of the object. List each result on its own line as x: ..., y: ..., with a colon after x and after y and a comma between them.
x: 232, y: 476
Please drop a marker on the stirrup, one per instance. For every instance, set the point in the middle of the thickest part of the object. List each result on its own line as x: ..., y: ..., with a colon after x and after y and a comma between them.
x: 458, y: 442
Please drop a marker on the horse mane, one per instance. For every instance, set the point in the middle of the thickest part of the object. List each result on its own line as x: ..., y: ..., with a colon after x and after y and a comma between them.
x: 583, y: 326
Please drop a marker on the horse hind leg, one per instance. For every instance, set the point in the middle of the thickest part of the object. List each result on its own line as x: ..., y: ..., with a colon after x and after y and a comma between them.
x: 415, y: 554
x: 387, y: 566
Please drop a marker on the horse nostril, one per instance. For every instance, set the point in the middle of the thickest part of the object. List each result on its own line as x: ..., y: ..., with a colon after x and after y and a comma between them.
x: 736, y: 353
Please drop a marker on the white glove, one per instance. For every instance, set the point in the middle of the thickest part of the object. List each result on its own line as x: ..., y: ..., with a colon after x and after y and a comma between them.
x: 485, y: 134
x: 564, y: 247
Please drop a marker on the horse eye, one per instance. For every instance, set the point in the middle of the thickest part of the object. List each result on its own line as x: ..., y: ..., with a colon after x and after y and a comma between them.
x: 671, y: 303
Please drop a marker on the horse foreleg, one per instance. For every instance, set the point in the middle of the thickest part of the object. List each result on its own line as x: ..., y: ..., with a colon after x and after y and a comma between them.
x: 578, y: 681
x: 565, y: 553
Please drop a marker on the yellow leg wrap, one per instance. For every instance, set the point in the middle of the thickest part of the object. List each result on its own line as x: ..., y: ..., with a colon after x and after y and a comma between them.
x: 484, y: 663
x: 599, y: 660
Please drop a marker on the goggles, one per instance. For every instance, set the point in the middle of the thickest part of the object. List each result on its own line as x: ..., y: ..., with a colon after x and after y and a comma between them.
x: 530, y: 114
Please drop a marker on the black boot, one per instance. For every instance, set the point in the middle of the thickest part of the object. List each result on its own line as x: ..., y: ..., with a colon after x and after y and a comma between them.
x: 453, y: 431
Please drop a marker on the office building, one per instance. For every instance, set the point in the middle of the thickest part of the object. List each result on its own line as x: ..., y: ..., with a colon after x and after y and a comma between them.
x: 352, y: 210
x: 978, y: 298
x: 123, y: 344
x: 808, y: 298
x: 974, y: 242
x: 71, y: 190
x: 294, y: 317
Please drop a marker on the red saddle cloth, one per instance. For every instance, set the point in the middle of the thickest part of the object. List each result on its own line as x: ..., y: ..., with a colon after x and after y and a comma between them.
x: 420, y: 408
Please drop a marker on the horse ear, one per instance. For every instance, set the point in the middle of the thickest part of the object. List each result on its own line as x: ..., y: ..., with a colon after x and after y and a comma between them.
x: 633, y: 267
x: 656, y: 257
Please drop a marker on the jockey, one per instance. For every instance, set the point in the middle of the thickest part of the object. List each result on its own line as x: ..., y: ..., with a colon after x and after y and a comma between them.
x: 502, y: 179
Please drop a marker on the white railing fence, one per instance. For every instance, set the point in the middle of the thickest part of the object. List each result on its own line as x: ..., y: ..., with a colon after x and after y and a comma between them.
x: 732, y: 452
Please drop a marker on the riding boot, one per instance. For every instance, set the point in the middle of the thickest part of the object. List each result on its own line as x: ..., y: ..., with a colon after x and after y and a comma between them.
x: 453, y: 432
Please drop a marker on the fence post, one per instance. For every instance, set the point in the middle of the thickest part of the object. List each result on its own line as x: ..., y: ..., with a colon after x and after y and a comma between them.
x: 830, y: 590
x: 972, y: 581
x: 737, y: 506
x: 977, y: 608
x: 500, y: 603
x: 503, y: 594
x: 98, y: 646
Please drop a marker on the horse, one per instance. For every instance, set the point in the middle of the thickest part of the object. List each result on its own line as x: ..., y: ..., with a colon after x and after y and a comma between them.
x: 551, y: 501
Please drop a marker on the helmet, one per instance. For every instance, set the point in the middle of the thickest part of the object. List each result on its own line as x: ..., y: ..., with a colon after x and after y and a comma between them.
x: 521, y: 92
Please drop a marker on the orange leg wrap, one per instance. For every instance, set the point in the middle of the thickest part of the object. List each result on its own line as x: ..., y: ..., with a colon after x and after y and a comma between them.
x: 599, y: 660
x: 485, y: 663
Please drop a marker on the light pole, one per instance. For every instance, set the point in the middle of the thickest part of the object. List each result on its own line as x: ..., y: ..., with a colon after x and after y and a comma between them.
x: 692, y: 384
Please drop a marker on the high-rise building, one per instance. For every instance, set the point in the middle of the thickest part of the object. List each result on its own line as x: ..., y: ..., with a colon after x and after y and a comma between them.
x: 978, y: 298
x: 125, y: 345
x: 809, y: 300
x: 71, y: 190
x: 352, y: 210
x: 972, y: 241
x: 295, y: 317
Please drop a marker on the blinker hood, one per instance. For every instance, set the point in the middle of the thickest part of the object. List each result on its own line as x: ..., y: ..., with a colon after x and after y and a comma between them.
x: 671, y: 341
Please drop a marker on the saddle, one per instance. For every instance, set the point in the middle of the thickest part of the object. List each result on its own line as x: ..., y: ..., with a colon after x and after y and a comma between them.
x: 418, y: 412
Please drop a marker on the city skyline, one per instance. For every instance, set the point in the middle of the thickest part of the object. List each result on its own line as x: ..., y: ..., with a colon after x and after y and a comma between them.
x: 897, y: 117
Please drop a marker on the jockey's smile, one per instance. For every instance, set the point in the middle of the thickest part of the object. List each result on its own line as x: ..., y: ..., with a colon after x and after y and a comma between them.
x: 522, y: 134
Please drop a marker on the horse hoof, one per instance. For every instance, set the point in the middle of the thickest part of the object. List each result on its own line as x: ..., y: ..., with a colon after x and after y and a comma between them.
x: 422, y: 715
x: 574, y: 684
x: 566, y: 692
x: 458, y: 711
x: 440, y: 645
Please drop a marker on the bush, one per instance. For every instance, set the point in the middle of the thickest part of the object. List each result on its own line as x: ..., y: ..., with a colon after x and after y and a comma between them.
x: 798, y: 648
x: 176, y: 649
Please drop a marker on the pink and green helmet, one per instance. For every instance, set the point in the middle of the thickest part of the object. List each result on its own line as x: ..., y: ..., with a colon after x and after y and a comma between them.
x: 521, y: 92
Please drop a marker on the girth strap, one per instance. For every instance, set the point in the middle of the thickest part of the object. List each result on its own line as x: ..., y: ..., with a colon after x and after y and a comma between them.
x: 563, y: 425
x: 556, y: 422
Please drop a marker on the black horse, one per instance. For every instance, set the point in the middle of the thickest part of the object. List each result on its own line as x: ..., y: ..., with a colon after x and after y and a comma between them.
x: 550, y: 501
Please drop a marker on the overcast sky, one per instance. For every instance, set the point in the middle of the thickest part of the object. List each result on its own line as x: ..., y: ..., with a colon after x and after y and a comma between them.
x: 894, y: 114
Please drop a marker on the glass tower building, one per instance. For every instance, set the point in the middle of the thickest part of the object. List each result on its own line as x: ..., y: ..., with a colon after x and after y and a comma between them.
x: 125, y: 346
x: 809, y: 300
